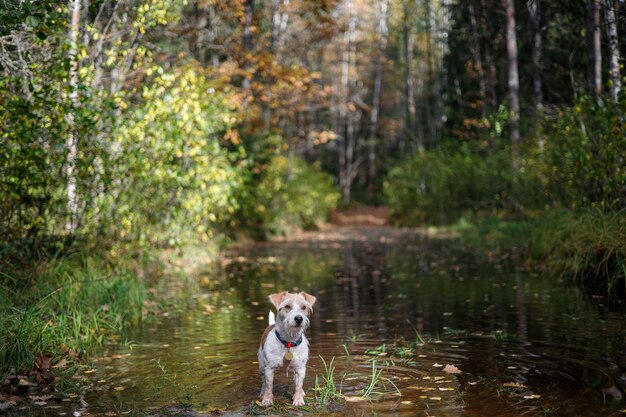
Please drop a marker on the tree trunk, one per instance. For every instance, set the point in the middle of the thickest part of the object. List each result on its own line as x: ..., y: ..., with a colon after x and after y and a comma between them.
x: 594, y: 51
x: 478, y: 61
x: 383, y: 32
x: 346, y: 147
x: 534, y: 10
x: 513, y: 73
x: 487, y: 41
x: 247, y: 30
x: 72, y: 139
x: 614, y: 58
x: 280, y: 19
x: 409, y: 93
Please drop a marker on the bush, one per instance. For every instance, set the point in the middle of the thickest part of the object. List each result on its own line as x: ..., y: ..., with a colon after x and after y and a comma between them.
x: 585, y: 156
x: 290, y: 194
x: 441, y: 185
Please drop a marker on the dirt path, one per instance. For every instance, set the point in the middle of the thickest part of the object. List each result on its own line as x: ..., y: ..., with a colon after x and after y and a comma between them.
x: 361, y: 216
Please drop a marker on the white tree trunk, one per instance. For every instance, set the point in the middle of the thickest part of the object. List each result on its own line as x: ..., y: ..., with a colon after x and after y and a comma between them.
x: 383, y: 33
x: 72, y: 139
x: 614, y: 58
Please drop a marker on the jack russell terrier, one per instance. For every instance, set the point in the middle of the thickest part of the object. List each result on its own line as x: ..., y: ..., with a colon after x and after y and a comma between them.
x: 284, y: 343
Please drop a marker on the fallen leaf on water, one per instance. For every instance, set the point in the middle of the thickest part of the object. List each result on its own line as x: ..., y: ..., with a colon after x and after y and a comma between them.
x: 40, y: 403
x: 90, y: 371
x: 23, y: 383
x: 514, y: 385
x: 352, y: 399
x: 437, y: 365
x: 119, y: 388
x: 407, y: 402
x: 435, y: 398
x: 532, y: 396
x: 40, y: 397
x: 446, y: 389
x: 451, y: 369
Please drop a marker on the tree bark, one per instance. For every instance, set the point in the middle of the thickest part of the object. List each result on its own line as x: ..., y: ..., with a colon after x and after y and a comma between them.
x: 247, y: 30
x: 614, y: 56
x: 478, y: 61
x: 513, y: 72
x: 594, y: 51
x: 383, y: 32
x: 409, y: 86
x: 534, y: 9
x: 72, y: 139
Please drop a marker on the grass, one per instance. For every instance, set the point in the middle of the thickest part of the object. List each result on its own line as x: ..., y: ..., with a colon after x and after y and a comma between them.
x: 325, y: 388
x: 368, y: 391
x: 587, y: 247
x: 65, y: 311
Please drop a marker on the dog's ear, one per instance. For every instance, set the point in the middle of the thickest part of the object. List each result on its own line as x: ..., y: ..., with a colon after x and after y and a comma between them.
x: 277, y: 298
x: 309, y: 298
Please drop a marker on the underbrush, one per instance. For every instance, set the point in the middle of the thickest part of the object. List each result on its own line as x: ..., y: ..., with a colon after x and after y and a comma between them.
x: 56, y: 316
x: 587, y: 247
x: 558, y: 199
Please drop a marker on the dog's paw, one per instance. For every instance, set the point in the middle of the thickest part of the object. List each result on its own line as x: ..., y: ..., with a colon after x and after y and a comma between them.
x: 267, y: 401
x: 298, y: 402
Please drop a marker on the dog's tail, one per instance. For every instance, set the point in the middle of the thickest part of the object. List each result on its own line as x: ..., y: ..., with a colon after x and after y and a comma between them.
x: 271, y: 318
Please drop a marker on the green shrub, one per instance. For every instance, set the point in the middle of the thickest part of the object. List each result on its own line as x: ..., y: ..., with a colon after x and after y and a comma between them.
x: 444, y: 184
x: 290, y: 194
x: 588, y: 247
x: 585, y: 153
x: 170, y: 176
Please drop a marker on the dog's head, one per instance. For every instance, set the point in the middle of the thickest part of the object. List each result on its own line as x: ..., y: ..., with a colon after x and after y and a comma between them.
x: 294, y: 310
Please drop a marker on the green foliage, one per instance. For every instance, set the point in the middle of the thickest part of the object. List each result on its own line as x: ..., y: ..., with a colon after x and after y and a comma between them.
x: 325, y: 389
x: 588, y: 247
x: 585, y: 148
x: 168, y: 172
x: 444, y: 184
x: 73, y: 306
x: 288, y: 195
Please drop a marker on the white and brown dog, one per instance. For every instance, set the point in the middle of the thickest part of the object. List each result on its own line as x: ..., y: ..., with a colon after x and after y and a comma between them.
x: 284, y: 343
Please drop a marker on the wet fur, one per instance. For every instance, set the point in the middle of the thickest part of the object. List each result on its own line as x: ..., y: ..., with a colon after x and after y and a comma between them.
x: 271, y: 351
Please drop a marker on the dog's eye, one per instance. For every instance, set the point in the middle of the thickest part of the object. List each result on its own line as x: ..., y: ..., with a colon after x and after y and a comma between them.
x: 287, y: 307
x: 303, y: 307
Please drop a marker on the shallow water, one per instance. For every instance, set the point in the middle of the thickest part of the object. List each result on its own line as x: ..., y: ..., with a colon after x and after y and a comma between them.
x: 525, y: 344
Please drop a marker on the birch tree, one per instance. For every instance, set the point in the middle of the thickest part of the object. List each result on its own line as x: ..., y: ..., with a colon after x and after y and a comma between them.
x: 72, y: 139
x: 383, y: 33
x: 614, y: 56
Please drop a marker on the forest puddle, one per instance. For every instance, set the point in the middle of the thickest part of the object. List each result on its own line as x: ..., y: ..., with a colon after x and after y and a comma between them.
x: 451, y: 333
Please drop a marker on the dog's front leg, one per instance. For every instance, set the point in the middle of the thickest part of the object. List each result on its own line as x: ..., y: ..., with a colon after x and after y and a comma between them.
x: 298, y: 396
x: 267, y: 396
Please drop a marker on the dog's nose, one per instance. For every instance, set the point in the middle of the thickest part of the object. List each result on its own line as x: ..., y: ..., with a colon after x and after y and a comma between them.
x: 298, y: 319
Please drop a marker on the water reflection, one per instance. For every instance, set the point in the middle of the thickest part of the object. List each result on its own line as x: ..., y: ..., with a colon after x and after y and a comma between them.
x: 525, y: 344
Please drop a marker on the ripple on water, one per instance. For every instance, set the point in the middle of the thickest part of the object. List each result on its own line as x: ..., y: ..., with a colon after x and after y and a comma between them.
x: 391, y: 302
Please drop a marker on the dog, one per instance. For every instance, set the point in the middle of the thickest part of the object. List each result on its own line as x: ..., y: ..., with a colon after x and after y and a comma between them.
x: 284, y: 343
